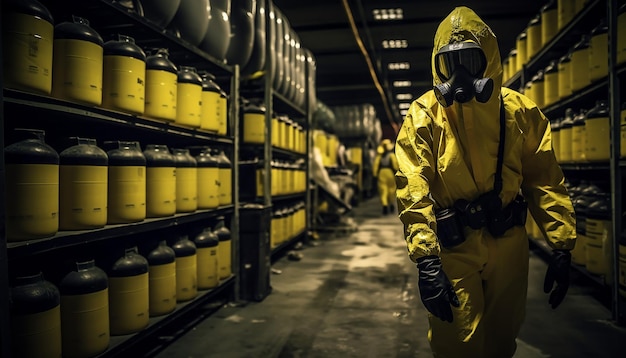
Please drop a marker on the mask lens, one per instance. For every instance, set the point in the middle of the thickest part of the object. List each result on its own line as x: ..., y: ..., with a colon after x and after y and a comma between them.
x: 468, y: 55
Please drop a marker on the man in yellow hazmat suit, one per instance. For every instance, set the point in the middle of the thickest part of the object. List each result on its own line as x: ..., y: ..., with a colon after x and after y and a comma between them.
x: 473, y: 156
x: 385, y: 167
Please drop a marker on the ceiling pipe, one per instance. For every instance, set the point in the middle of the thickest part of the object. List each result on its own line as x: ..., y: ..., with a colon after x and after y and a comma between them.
x: 370, y: 65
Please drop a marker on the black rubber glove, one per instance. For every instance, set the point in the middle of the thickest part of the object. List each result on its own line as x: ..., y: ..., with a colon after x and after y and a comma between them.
x: 558, y: 271
x: 435, y: 288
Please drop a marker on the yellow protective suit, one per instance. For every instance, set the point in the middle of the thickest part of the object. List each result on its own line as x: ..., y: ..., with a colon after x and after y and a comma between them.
x: 446, y: 154
x: 384, y: 169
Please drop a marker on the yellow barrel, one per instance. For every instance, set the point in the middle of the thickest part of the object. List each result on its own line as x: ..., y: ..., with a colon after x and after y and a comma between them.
x: 521, y: 46
x: 126, y: 183
x: 188, y: 97
x: 566, y: 12
x: 549, y: 22
x: 83, y: 183
x: 124, y: 77
x: 513, y: 69
x: 598, y: 139
x: 28, y: 32
x: 621, y: 35
x: 291, y: 143
x: 77, y: 62
x: 579, y: 72
x: 622, y: 147
x: 84, y: 311
x: 275, y: 131
x: 129, y: 297
x: 259, y: 174
x: 223, y: 113
x: 533, y: 41
x: 565, y: 77
x: 254, y: 124
x: 186, y: 269
x: 207, y: 245
x: 539, y: 89
x: 224, y: 257
x: 578, y: 138
x: 186, y: 181
x: 160, y: 181
x: 598, y: 52
x: 505, y: 69
x: 162, y: 279
x: 551, y: 84
x: 31, y: 187
x: 209, y: 115
x: 555, y: 129
x: 161, y: 86
x: 208, y: 180
x: 565, y: 141
x: 599, y: 235
x: 35, y: 317
x: 225, y: 173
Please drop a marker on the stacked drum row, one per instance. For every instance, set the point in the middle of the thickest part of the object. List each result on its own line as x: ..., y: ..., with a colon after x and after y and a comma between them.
x: 76, y: 315
x: 85, y: 187
x: 72, y: 62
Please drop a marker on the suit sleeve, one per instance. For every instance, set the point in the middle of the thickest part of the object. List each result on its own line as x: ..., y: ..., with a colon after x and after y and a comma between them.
x: 543, y: 183
x: 415, y: 173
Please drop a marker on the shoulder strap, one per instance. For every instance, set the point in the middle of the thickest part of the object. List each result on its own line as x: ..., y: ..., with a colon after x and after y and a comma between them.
x: 497, y: 185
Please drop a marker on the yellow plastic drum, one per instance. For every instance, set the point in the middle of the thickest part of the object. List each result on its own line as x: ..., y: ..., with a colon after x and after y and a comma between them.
x: 186, y: 181
x: 161, y: 86
x: 84, y: 311
x: 127, y: 183
x: 598, y: 143
x: 32, y: 188
x: 186, y: 269
x: 123, y: 86
x: 162, y: 279
x: 129, y: 298
x: 27, y: 31
x: 211, y: 102
x: 160, y: 181
x: 188, y: 97
x: 254, y: 124
x: 77, y: 62
x: 83, y: 183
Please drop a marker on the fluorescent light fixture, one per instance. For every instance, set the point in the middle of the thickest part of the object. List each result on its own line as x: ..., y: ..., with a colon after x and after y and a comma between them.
x: 388, y: 14
x: 396, y: 66
x: 402, y: 83
x: 404, y: 112
x: 404, y: 96
x: 404, y: 105
x: 400, y: 43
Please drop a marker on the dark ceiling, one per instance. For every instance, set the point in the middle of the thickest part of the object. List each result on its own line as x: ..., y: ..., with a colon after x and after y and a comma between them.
x: 343, y: 77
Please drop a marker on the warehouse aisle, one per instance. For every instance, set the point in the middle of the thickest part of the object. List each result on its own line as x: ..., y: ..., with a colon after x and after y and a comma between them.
x: 355, y: 295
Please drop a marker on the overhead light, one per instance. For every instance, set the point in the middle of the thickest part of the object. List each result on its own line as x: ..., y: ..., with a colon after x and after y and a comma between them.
x: 404, y: 112
x: 402, y: 83
x: 404, y: 105
x: 404, y: 96
x: 388, y: 14
x: 399, y: 43
x: 396, y: 66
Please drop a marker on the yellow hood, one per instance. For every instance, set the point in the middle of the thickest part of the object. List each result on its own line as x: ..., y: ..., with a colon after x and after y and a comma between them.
x: 462, y: 24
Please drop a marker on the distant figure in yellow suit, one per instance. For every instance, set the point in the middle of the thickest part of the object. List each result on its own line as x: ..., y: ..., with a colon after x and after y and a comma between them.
x: 385, y: 167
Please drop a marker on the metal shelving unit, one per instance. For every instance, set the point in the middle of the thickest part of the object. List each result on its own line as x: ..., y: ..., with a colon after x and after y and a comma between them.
x: 58, y: 118
x: 610, y: 87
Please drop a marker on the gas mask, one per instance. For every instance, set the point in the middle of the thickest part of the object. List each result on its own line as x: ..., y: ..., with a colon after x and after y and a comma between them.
x: 460, y: 67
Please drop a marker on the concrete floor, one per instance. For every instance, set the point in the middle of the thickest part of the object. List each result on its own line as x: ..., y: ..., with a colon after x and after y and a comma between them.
x: 355, y: 295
